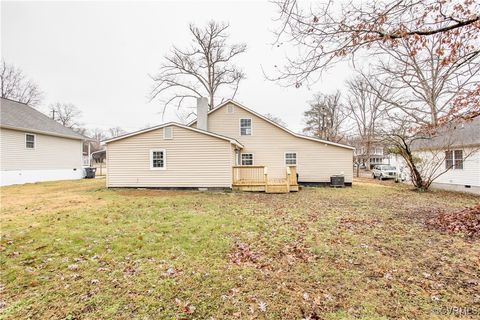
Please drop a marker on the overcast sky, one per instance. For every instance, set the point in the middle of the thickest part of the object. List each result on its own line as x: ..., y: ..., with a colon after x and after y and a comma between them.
x: 97, y: 55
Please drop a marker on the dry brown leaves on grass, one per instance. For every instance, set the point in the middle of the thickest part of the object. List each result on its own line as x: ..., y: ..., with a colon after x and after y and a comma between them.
x: 243, y: 254
x: 466, y: 222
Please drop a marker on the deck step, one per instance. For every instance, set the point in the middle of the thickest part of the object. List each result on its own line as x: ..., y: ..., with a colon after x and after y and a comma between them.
x: 277, y: 189
x: 277, y: 186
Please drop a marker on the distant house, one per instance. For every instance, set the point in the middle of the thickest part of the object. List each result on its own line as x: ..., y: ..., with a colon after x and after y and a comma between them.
x: 456, y: 152
x: 36, y: 148
x: 376, y: 155
x: 230, y: 146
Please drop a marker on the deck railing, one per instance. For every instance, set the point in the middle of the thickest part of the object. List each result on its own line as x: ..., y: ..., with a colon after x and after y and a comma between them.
x: 249, y: 175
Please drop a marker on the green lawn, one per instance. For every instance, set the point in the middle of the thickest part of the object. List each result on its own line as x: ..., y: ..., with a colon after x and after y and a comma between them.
x: 75, y: 250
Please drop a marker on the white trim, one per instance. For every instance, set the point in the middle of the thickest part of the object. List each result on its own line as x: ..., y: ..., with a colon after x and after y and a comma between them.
x: 171, y: 133
x: 240, y: 127
x: 275, y: 124
x: 241, y: 159
x: 164, y: 159
x: 454, y: 166
x: 285, y: 158
x: 232, y: 141
x: 34, y: 141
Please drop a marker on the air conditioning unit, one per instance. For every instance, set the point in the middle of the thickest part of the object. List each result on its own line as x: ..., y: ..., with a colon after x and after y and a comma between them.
x: 337, y: 181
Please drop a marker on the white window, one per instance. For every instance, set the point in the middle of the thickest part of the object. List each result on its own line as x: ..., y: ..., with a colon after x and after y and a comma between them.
x: 29, y: 141
x: 229, y: 108
x: 291, y: 158
x: 245, y: 127
x: 454, y: 159
x: 247, y: 159
x: 168, y: 133
x: 158, y: 159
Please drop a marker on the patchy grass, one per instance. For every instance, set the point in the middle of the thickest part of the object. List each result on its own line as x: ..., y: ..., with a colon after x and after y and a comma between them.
x: 75, y: 250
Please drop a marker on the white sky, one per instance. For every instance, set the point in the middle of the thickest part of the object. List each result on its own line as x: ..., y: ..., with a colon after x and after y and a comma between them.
x: 97, y: 55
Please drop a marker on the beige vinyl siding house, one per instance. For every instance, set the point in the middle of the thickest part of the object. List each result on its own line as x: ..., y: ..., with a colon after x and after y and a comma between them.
x: 35, y: 148
x: 229, y: 147
x: 192, y: 159
x: 316, y: 160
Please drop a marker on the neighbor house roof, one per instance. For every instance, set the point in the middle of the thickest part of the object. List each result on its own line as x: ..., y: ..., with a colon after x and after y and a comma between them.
x: 275, y: 124
x: 131, y: 134
x: 19, y: 116
x: 452, y: 135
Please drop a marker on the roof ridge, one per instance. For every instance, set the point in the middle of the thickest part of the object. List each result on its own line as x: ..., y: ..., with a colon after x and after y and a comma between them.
x: 175, y: 124
x: 19, y: 115
x: 298, y: 135
x: 17, y: 102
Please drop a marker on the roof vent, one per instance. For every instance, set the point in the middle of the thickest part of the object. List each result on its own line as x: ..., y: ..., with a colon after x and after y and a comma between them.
x: 168, y: 133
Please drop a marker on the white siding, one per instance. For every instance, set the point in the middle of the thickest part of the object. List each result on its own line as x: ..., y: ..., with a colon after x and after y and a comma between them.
x: 469, y: 175
x: 53, y: 158
x: 193, y: 159
x: 456, y: 179
x: 316, y: 161
x: 50, y: 152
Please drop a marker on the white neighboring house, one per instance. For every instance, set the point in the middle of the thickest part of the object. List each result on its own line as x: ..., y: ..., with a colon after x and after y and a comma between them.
x: 457, y: 153
x: 377, y: 155
x: 35, y: 148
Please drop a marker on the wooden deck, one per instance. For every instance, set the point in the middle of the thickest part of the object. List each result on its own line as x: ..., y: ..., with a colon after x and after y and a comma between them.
x: 255, y: 178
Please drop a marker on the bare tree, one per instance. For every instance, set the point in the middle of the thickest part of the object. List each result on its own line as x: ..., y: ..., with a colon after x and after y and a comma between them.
x: 115, y: 132
x: 423, y: 90
x: 15, y: 86
x: 67, y: 114
x: 367, y: 110
x: 325, y: 117
x: 276, y: 119
x: 97, y: 135
x: 330, y: 32
x: 423, y: 87
x: 428, y: 53
x: 201, y: 70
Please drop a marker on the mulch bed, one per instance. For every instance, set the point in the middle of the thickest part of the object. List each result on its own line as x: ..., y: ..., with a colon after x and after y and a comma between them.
x: 466, y: 221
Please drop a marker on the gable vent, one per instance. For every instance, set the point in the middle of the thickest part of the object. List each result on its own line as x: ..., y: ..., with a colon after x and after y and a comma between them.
x: 230, y: 109
x: 168, y: 133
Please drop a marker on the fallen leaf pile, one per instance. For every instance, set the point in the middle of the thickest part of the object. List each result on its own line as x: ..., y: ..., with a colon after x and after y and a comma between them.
x: 243, y: 254
x: 466, y: 221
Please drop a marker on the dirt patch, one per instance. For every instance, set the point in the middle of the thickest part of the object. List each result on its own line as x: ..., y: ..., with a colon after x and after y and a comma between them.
x: 466, y: 222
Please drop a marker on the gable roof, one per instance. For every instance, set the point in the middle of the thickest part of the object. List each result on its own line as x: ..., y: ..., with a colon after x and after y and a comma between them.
x: 19, y: 116
x: 131, y: 134
x: 276, y: 124
x: 452, y: 135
